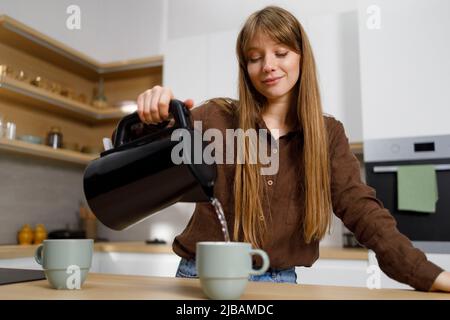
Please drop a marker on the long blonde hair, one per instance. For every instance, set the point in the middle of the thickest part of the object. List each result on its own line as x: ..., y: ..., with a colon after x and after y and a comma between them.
x: 283, y: 27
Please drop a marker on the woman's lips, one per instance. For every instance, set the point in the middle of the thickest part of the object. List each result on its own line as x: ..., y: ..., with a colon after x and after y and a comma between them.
x: 272, y: 81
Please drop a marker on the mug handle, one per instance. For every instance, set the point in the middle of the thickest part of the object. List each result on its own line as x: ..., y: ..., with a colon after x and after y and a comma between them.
x: 38, y: 254
x: 265, y: 259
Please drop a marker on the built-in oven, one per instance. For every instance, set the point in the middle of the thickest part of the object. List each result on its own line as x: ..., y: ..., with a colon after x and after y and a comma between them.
x: 428, y: 231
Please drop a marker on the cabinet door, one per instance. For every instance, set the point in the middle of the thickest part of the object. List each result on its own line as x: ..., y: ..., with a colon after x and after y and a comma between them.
x: 404, y: 83
x: 442, y: 260
x: 20, y: 263
x: 334, y: 272
x: 202, y: 67
x: 30, y: 263
x: 185, y: 67
x: 222, y: 65
x: 334, y: 38
x: 146, y: 264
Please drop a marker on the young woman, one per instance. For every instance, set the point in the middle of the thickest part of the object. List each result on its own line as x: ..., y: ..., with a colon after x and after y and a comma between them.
x: 288, y: 213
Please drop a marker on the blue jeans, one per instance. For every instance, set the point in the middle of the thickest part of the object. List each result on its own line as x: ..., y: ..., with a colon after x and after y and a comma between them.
x: 187, y: 269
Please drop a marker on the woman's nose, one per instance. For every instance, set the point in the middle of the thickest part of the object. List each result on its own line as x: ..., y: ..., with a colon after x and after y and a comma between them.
x: 268, y: 66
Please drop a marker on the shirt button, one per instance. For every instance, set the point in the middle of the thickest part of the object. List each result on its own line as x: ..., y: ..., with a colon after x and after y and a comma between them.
x: 275, y: 151
x: 270, y: 182
x: 261, y: 217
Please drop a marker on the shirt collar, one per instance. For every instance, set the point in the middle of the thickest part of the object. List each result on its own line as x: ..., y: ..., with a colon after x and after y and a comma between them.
x: 297, y: 130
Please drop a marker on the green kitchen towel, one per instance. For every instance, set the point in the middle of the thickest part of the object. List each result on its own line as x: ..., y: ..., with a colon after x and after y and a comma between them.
x: 417, y: 188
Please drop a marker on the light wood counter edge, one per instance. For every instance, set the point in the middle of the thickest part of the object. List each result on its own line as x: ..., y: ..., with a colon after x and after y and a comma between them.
x: 132, y: 247
x: 23, y: 251
x: 115, y: 287
x: 344, y: 253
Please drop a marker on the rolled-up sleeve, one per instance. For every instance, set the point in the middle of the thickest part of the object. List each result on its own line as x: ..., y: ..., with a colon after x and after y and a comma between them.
x: 356, y: 205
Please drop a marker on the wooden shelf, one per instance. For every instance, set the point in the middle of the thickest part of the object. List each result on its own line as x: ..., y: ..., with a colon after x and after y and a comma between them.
x: 44, y: 151
x: 17, y: 35
x: 50, y: 101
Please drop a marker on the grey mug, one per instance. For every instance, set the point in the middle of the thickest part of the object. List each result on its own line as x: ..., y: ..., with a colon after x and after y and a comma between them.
x: 66, y: 262
x: 224, y: 267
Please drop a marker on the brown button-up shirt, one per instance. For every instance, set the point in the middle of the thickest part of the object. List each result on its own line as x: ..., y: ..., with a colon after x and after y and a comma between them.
x: 353, y: 202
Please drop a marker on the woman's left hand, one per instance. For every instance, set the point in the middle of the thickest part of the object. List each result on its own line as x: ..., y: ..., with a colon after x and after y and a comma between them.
x: 442, y: 282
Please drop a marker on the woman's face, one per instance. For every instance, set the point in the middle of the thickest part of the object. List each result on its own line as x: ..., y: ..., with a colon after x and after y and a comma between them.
x: 273, y: 68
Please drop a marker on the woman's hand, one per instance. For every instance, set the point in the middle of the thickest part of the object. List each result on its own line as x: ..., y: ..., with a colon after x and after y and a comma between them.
x: 153, y: 104
x: 442, y: 282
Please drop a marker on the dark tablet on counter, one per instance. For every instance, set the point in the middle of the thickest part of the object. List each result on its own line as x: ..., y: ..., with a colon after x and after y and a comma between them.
x: 13, y: 275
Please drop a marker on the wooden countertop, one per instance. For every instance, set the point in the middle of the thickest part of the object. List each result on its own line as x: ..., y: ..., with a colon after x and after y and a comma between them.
x: 23, y: 251
x: 114, y: 287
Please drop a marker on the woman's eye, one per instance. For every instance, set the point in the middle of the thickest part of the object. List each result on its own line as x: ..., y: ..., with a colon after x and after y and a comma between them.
x: 253, y: 59
x: 282, y: 54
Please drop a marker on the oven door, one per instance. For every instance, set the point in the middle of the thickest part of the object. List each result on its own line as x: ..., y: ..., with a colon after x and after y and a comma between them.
x: 416, y: 226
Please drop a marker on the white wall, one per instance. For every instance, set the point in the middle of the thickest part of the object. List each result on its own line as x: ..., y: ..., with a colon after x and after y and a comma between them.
x: 111, y: 30
x: 405, y: 68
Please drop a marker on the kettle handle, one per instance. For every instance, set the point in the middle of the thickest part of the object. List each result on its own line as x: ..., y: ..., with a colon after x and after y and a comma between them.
x: 177, y: 108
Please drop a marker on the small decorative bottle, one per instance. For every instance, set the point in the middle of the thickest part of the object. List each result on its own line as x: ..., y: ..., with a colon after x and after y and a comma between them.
x: 40, y: 234
x: 25, y: 235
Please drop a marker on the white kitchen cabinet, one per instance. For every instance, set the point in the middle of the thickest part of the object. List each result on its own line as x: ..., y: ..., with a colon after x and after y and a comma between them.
x: 202, y: 66
x: 334, y: 39
x: 185, y: 67
x: 442, y: 260
x: 30, y: 263
x: 404, y: 84
x: 146, y: 264
x: 334, y: 272
x: 20, y: 263
x: 223, y: 67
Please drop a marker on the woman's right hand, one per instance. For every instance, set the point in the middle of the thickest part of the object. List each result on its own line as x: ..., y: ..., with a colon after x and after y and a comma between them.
x: 153, y: 104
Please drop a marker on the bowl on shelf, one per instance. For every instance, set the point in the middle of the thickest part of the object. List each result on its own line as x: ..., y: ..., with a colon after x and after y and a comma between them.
x: 31, y: 139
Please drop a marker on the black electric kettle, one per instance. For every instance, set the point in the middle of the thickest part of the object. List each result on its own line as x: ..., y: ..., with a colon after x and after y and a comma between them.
x: 137, y: 178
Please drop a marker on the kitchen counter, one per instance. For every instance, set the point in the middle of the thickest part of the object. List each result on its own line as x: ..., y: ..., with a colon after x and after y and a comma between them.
x: 22, y: 251
x: 114, y: 287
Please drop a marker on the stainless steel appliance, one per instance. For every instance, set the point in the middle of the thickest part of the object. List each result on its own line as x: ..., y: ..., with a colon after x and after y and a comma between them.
x: 382, y: 157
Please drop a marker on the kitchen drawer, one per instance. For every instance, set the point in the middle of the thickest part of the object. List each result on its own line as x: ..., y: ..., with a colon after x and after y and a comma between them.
x: 146, y: 264
x: 334, y: 272
x: 20, y: 263
x: 442, y: 260
x: 30, y: 263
